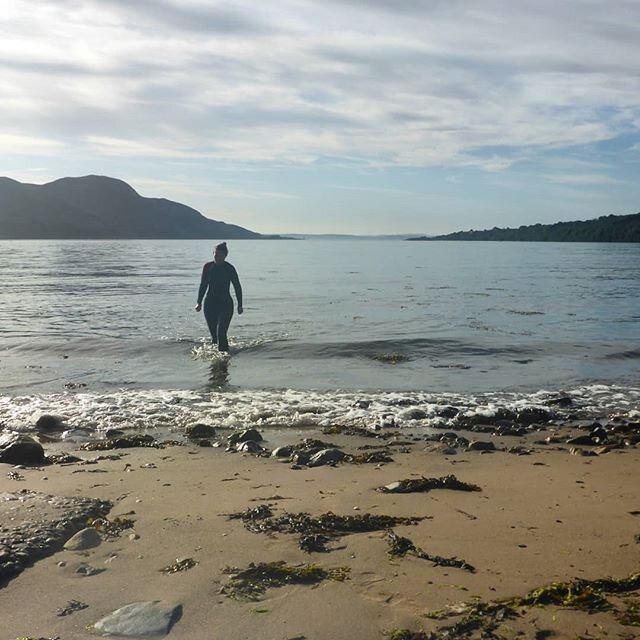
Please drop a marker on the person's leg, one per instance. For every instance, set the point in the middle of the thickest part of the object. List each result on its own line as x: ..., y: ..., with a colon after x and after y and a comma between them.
x: 211, y: 314
x: 224, y: 320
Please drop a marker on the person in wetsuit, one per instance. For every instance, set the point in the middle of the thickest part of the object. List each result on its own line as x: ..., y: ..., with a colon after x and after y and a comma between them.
x: 218, y: 305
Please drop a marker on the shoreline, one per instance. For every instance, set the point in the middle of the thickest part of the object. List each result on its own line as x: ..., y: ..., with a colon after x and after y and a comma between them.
x: 545, y: 513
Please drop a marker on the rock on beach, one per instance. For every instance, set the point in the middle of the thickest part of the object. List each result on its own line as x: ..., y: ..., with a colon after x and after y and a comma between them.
x: 139, y: 619
x: 16, y: 448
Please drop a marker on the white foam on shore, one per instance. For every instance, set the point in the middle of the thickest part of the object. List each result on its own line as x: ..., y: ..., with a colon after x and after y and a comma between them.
x: 169, y: 410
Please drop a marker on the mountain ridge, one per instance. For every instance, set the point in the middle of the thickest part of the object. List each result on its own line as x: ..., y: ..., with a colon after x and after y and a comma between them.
x: 101, y: 207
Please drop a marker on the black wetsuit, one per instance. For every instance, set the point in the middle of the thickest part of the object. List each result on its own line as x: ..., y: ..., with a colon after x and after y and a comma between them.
x: 218, y: 305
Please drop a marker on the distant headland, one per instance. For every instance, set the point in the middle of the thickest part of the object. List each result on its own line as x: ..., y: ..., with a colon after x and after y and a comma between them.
x: 99, y: 207
x: 604, y: 229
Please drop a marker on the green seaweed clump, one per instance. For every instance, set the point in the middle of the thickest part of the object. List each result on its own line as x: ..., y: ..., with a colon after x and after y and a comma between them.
x: 399, y: 547
x: 352, y: 430
x: 586, y: 595
x: 328, y: 523
x: 630, y: 616
x: 314, y: 542
x: 112, y: 528
x: 389, y: 358
x: 252, y: 582
x: 371, y: 457
x: 405, y: 634
x: 261, y: 512
x: 579, y: 594
x: 415, y: 485
x: 122, y: 442
x: 182, y: 564
x: 71, y: 607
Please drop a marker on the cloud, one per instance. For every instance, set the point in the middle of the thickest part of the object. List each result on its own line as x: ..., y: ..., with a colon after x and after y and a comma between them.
x: 586, y: 179
x: 369, y: 83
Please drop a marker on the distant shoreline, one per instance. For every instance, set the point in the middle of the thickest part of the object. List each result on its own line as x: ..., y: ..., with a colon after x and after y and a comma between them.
x: 609, y: 228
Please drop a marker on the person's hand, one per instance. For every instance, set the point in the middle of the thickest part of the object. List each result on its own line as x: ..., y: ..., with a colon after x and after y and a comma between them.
x: 240, y: 310
x: 198, y: 307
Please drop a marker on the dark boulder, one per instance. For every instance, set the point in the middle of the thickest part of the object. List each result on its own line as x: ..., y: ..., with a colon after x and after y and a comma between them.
x: 48, y: 422
x: 447, y: 412
x: 480, y: 445
x: 199, y: 430
x: 534, y: 415
x: 562, y: 401
x: 326, y: 456
x: 245, y: 436
x: 16, y: 448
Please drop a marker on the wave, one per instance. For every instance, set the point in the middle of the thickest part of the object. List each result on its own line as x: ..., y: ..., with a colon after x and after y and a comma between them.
x: 631, y: 354
x: 405, y: 349
x: 169, y: 411
x: 203, y: 349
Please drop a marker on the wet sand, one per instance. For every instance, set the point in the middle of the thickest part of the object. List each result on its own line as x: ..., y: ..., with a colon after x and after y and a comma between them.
x: 549, y: 516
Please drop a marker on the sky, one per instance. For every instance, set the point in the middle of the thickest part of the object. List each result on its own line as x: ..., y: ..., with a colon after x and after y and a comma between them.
x: 332, y: 116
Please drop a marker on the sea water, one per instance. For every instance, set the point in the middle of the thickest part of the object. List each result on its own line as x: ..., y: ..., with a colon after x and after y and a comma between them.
x: 105, y: 332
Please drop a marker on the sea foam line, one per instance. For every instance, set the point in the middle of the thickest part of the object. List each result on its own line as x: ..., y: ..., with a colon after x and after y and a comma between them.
x: 172, y: 410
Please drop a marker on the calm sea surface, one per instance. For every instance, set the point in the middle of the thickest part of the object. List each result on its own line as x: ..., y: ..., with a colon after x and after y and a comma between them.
x: 332, y: 316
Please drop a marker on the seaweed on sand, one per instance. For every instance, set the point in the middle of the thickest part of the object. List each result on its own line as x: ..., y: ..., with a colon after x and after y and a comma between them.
x: 111, y: 528
x: 251, y: 583
x: 399, y: 547
x: 352, y: 430
x: 585, y: 595
x: 251, y: 514
x: 371, y: 457
x: 405, y: 634
x: 123, y: 442
x: 181, y: 564
x: 415, y: 485
x: 328, y: 524
x: 314, y: 542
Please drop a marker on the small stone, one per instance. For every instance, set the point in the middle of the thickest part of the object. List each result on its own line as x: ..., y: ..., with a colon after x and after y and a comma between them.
x: 86, y: 570
x: 87, y: 538
x: 134, y: 536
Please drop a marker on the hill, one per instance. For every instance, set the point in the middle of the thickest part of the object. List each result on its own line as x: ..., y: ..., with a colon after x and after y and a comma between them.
x: 604, y: 229
x: 98, y: 207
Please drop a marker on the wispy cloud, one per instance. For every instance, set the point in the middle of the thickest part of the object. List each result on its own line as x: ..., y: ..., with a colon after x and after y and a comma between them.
x: 402, y: 83
x: 586, y: 179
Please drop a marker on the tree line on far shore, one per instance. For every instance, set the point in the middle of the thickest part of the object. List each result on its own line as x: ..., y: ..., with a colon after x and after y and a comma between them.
x: 609, y: 228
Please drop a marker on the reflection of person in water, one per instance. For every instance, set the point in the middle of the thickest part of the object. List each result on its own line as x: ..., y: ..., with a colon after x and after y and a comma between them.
x: 218, y: 305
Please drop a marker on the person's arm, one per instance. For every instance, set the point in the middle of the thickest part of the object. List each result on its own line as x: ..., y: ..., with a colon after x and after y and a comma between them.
x: 235, y: 281
x: 204, y: 283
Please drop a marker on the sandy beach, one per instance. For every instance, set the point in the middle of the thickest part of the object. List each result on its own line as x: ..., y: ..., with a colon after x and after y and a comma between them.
x: 546, y: 517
